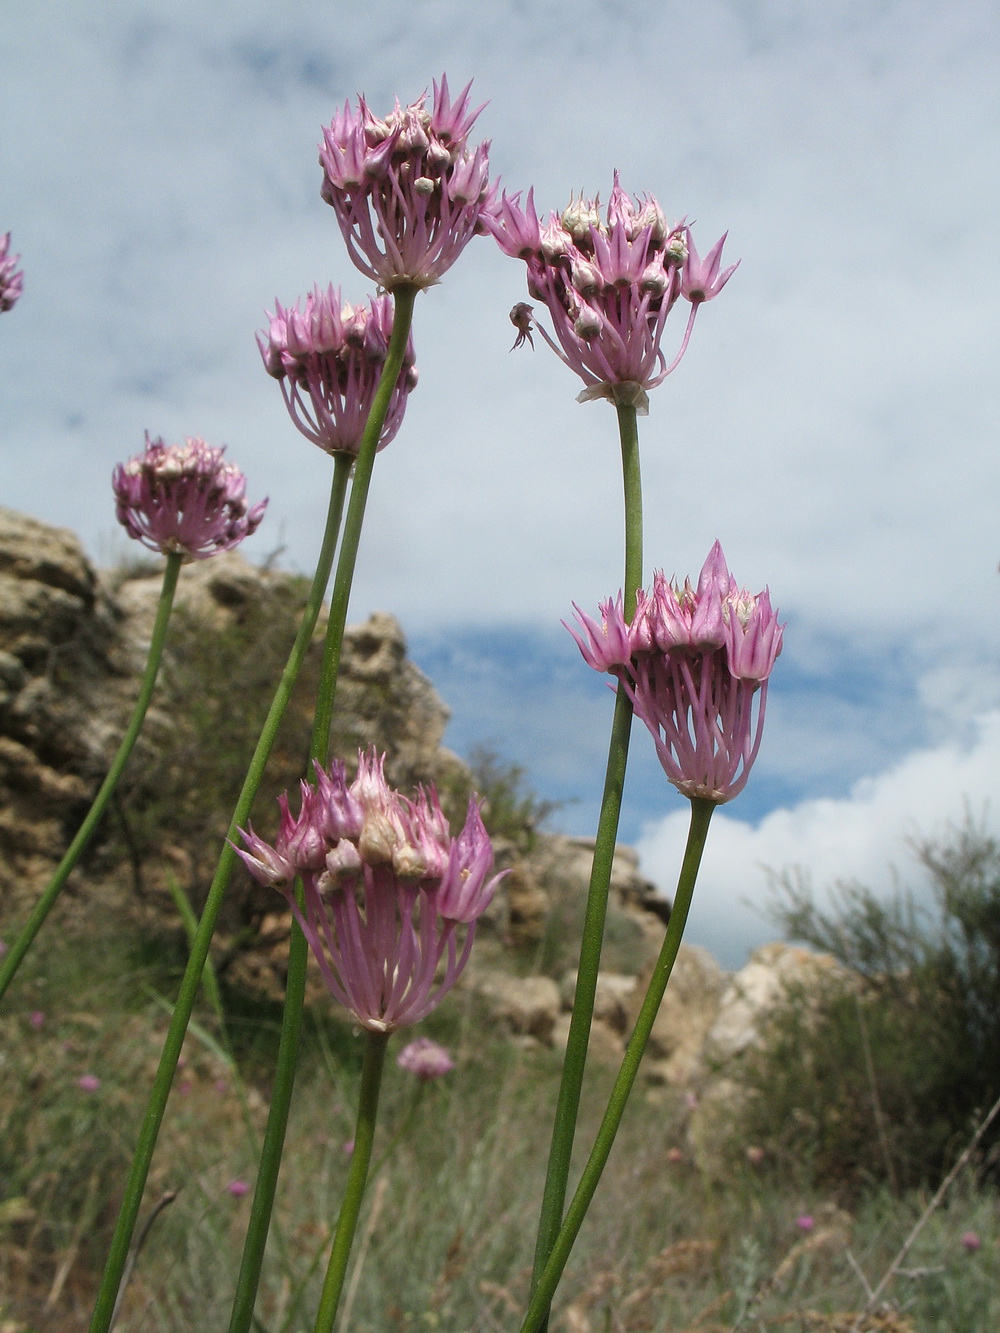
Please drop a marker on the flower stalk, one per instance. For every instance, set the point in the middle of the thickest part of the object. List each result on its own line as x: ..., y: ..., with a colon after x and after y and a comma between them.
x: 548, y: 1279
x: 191, y: 981
x: 574, y: 1064
x: 284, y: 1077
x: 357, y: 1179
x: 36, y: 920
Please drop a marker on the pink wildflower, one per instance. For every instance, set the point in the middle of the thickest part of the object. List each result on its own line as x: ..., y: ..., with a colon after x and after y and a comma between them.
x: 11, y: 277
x: 696, y: 672
x: 408, y: 191
x: 425, y: 1058
x: 609, y: 285
x: 328, y: 358
x: 37, y: 1019
x: 182, y: 498
x: 805, y: 1222
x: 971, y: 1241
x: 237, y: 1188
x: 88, y: 1082
x: 386, y: 888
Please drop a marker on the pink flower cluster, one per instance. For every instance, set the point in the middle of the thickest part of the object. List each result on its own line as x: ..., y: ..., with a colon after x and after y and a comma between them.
x: 329, y: 359
x: 11, y: 277
x: 425, y: 1059
x: 408, y: 191
x: 184, y: 499
x: 609, y: 285
x: 695, y: 663
x: 385, y: 887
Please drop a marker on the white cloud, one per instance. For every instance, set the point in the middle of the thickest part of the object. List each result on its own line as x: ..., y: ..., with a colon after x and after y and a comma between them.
x: 864, y: 837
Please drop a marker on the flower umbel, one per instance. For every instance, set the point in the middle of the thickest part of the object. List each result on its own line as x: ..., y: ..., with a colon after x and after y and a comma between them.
x: 408, y: 191
x: 425, y: 1058
x: 386, y: 888
x: 609, y: 284
x: 695, y: 663
x: 184, y: 499
x: 328, y: 358
x: 11, y: 277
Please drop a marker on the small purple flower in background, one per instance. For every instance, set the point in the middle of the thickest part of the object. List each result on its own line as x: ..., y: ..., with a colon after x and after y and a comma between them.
x: 609, y: 285
x: 184, y: 499
x: 37, y: 1019
x: 408, y: 191
x: 695, y: 663
x: 11, y: 277
x: 328, y: 358
x: 805, y: 1222
x: 237, y: 1188
x: 425, y: 1058
x: 88, y: 1082
x: 386, y: 888
x: 971, y: 1241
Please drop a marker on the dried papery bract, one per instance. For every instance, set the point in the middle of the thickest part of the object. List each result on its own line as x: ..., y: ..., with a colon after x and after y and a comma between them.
x: 11, y: 277
x: 328, y: 358
x: 409, y: 191
x: 184, y: 499
x: 609, y: 283
x: 695, y: 663
x: 386, y: 888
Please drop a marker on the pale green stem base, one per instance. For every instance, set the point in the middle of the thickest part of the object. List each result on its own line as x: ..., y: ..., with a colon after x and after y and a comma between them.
x: 574, y: 1063
x: 76, y: 848
x: 701, y: 814
x: 357, y: 1178
x: 191, y: 981
x: 298, y: 951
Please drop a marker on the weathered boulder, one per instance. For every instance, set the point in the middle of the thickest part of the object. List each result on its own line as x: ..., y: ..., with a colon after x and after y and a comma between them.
x: 687, y: 1012
x: 773, y: 974
x: 527, y: 1006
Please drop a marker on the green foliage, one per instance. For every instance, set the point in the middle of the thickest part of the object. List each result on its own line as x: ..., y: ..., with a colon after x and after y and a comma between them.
x: 882, y: 1078
x: 179, y: 791
x: 510, y: 808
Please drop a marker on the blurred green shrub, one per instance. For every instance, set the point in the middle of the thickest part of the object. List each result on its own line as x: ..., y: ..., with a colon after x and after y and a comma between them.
x: 882, y: 1079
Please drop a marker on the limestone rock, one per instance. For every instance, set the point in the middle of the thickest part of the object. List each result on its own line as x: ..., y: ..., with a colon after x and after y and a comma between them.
x: 686, y: 1014
x: 773, y: 973
x: 526, y: 1005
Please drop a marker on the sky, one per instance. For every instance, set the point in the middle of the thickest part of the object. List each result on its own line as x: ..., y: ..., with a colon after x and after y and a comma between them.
x: 834, y: 422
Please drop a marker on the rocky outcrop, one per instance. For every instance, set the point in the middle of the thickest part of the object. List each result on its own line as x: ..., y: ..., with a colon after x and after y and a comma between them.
x: 73, y: 644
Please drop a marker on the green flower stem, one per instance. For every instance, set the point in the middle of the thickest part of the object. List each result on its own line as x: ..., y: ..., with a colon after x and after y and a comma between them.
x: 191, y: 981
x: 568, y: 1104
x: 87, y: 829
x: 701, y: 814
x: 357, y: 1178
x: 298, y: 952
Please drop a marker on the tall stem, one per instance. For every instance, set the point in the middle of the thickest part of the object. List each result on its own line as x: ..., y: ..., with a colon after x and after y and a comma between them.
x: 122, y: 1238
x: 574, y: 1064
x: 89, y: 826
x: 357, y: 1178
x: 537, y: 1313
x: 298, y: 952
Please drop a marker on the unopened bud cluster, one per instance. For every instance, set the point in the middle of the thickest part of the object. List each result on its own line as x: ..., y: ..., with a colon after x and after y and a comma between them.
x: 385, y: 889
x: 695, y: 663
x: 408, y: 191
x: 609, y: 283
x: 184, y: 499
x: 328, y: 357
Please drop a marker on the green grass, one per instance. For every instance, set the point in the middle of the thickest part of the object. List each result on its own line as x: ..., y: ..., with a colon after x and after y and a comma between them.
x: 446, y: 1238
